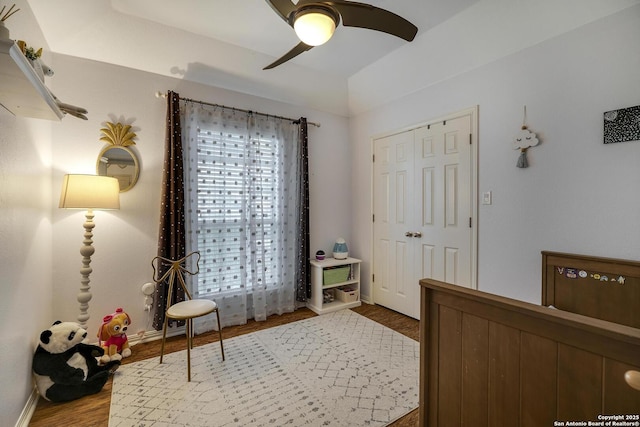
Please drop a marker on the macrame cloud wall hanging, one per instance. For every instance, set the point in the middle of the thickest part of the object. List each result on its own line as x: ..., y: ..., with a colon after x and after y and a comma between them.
x: 524, y: 140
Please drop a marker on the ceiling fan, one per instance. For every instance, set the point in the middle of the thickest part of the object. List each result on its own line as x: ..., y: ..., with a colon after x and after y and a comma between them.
x: 315, y: 21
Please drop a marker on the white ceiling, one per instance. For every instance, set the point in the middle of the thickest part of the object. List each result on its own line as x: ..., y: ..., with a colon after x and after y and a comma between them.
x: 226, y: 43
x: 249, y: 24
x: 252, y: 24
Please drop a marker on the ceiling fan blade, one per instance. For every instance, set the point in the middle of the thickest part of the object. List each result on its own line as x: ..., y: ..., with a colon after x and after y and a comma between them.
x: 282, y: 7
x: 300, y: 48
x: 373, y: 18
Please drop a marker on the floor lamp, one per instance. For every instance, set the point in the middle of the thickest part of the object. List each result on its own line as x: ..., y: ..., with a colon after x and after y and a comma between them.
x: 88, y: 192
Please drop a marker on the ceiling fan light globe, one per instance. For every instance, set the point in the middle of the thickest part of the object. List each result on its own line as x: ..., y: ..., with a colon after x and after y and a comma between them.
x: 314, y: 28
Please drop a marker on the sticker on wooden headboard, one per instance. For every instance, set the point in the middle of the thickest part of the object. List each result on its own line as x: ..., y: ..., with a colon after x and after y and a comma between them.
x: 575, y: 273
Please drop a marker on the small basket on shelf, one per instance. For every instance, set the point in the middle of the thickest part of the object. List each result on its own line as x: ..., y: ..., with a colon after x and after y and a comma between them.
x: 346, y: 294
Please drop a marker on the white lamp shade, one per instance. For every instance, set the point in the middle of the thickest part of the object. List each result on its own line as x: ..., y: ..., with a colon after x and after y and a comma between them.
x: 90, y: 192
x: 314, y: 28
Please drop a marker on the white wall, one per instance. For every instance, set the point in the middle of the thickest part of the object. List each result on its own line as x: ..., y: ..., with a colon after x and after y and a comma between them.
x: 578, y: 195
x: 126, y: 240
x: 480, y: 34
x: 25, y: 253
x: 25, y: 236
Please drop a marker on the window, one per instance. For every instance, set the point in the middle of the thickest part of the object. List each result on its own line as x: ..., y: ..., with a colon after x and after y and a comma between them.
x: 236, y: 178
x: 242, y: 192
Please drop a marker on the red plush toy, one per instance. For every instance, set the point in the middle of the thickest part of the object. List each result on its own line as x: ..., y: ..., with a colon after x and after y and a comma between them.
x: 113, y: 337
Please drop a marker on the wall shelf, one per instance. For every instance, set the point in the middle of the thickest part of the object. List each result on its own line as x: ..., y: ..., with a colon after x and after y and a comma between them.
x: 21, y: 91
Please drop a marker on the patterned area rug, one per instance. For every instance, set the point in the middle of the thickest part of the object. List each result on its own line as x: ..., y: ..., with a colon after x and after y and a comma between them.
x: 338, y: 369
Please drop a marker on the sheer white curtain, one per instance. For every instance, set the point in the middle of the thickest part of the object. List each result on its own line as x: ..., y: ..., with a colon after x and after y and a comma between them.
x: 241, y: 196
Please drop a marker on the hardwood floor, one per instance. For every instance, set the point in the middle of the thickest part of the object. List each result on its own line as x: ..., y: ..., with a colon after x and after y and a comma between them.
x: 93, y: 411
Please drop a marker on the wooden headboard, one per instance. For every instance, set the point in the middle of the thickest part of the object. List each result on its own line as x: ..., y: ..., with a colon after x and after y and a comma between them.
x: 602, y: 288
x: 490, y: 361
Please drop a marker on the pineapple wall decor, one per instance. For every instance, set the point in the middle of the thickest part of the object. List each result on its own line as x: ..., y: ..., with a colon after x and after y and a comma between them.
x: 117, y: 159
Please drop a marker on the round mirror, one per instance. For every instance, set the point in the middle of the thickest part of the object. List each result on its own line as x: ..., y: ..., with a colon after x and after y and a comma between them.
x: 120, y: 163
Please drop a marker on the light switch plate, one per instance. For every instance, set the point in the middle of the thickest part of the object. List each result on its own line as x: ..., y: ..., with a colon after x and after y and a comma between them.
x: 486, y: 198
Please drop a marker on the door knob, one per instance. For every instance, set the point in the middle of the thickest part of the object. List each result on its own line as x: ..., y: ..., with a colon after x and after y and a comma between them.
x: 413, y: 234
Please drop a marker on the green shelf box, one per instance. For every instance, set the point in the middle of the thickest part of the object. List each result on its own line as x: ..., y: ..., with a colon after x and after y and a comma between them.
x: 334, y: 275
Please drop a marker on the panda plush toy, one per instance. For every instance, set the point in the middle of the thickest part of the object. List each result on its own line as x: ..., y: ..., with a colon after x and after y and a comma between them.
x: 65, y: 368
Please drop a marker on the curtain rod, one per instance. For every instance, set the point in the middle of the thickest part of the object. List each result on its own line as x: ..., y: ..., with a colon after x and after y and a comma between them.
x: 164, y: 95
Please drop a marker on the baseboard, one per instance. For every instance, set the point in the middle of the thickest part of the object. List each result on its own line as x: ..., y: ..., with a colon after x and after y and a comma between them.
x: 29, y: 409
x: 147, y: 336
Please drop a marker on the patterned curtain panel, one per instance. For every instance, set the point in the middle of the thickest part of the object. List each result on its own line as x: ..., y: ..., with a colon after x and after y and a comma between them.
x: 171, y: 236
x: 242, y: 211
x: 303, y: 279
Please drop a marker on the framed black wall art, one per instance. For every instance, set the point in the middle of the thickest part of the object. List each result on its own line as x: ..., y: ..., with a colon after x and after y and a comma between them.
x: 622, y: 125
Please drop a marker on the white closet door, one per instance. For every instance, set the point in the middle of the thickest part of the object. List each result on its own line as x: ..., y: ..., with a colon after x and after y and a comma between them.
x: 423, y: 211
x: 393, y: 217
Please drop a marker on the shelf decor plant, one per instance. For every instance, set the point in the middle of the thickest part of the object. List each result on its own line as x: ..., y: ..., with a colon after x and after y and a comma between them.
x: 33, y: 56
